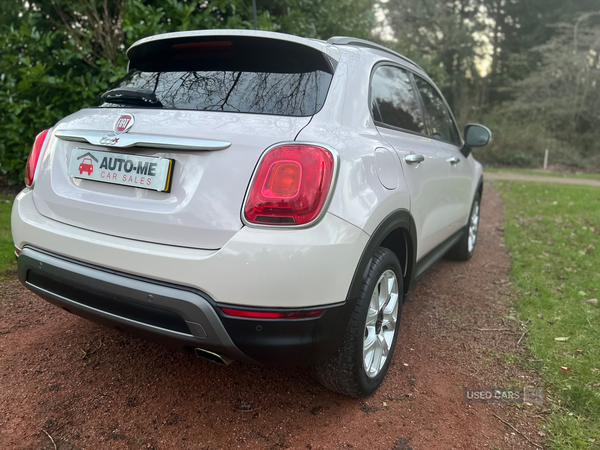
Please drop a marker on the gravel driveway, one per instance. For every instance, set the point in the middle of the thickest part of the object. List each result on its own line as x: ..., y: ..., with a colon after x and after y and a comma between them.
x: 69, y: 383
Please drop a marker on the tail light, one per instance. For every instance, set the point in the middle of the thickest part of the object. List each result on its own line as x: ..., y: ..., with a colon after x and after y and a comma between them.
x: 34, y: 157
x: 306, y: 314
x: 290, y: 185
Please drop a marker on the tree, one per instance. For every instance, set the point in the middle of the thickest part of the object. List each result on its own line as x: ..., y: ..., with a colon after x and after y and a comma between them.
x: 59, y: 55
x: 442, y: 34
x: 563, y: 93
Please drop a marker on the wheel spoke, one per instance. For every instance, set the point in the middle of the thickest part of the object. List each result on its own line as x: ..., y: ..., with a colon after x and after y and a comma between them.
x: 392, y: 287
x: 385, y: 346
x: 375, y: 299
x: 369, y: 340
x: 384, y: 291
x: 389, y: 322
x: 376, y: 361
x: 392, y: 303
x: 372, y: 317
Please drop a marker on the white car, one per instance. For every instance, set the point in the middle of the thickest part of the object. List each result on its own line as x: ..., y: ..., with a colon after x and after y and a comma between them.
x: 253, y: 196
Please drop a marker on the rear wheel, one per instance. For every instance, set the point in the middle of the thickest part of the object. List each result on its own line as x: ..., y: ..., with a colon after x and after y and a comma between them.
x: 463, y: 249
x: 360, y: 363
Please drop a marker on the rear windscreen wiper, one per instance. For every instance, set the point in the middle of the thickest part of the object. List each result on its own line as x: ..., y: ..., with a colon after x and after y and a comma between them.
x: 132, y: 96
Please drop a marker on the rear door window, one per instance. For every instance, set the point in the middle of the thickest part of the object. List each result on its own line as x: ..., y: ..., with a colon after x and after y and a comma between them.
x: 394, y: 101
x: 440, y: 122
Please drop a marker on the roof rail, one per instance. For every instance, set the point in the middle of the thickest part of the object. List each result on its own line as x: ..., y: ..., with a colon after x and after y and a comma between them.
x: 343, y: 40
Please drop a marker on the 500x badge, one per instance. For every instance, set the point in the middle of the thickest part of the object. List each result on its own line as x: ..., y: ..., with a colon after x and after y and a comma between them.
x: 109, y: 140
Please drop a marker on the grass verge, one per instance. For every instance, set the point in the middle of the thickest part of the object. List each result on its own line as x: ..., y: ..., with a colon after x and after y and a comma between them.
x: 595, y: 176
x: 553, y: 234
x: 7, y: 248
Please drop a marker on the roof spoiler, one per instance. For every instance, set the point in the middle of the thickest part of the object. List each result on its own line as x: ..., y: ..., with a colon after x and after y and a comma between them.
x: 231, y: 49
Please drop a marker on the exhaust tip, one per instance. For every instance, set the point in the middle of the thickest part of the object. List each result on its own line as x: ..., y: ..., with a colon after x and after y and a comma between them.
x: 213, y: 357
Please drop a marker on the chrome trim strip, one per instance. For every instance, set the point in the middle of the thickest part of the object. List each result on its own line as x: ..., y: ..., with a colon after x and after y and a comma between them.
x: 126, y: 140
x: 332, y: 186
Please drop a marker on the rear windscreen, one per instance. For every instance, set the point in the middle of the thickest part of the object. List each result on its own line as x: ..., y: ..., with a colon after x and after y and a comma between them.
x: 285, y: 94
x: 246, y: 75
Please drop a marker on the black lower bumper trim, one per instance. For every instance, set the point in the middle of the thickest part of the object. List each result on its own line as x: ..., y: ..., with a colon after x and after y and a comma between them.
x: 179, y: 316
x: 149, y: 315
x: 290, y: 341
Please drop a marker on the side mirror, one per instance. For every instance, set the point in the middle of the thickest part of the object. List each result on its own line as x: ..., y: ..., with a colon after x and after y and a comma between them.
x: 475, y: 136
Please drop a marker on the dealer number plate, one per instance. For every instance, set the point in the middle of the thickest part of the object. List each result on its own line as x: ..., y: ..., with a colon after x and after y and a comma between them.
x: 146, y: 172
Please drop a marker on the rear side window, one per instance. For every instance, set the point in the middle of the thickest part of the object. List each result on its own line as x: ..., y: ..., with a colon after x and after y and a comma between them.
x: 236, y: 75
x: 441, y: 125
x: 394, y: 101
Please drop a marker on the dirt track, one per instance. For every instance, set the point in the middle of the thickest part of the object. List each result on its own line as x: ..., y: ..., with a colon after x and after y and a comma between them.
x: 91, y: 387
x: 512, y: 176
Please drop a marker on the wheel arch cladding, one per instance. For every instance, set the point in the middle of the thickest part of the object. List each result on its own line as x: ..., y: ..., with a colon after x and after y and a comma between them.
x: 396, y: 232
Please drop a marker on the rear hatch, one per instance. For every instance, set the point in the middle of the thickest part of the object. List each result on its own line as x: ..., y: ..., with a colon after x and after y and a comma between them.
x: 209, y: 106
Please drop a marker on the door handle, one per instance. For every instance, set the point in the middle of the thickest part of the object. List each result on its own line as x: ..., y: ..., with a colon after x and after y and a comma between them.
x: 414, y: 159
x: 454, y: 160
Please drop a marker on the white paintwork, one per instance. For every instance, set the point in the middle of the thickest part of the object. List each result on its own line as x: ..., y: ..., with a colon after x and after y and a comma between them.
x: 203, y: 208
x: 387, y: 170
x: 194, y: 235
x: 283, y: 268
x: 345, y: 123
x: 427, y: 185
x: 460, y: 185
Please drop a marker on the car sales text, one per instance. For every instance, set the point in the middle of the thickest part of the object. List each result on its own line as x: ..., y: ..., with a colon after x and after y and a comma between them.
x: 147, y: 169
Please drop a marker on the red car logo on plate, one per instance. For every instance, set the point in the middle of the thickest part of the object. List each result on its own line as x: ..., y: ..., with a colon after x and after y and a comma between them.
x: 124, y: 123
x: 86, y: 166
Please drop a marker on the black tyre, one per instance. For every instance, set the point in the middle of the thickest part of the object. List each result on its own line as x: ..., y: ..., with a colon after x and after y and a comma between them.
x: 463, y: 249
x: 359, y: 365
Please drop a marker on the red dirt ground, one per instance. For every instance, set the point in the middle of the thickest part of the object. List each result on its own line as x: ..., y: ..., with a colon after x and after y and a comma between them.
x: 89, y: 387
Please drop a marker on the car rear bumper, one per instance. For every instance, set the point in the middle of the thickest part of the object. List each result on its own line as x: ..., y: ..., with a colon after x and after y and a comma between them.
x: 109, y: 280
x: 177, y: 316
x: 270, y: 268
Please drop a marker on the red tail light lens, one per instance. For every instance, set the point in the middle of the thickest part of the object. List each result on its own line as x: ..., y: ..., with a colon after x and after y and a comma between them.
x: 290, y: 185
x: 273, y: 314
x: 34, y: 157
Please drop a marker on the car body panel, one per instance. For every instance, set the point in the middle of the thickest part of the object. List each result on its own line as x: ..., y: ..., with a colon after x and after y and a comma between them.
x: 461, y: 183
x: 256, y: 267
x: 427, y: 185
x: 203, y: 208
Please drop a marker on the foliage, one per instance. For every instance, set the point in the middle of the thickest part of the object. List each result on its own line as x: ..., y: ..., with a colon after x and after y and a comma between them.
x: 563, y: 93
x: 512, y: 64
x: 553, y: 235
x: 444, y: 35
x: 60, y: 55
x: 7, y: 248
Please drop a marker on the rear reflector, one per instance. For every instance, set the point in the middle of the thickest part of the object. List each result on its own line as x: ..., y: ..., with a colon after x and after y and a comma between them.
x: 273, y: 314
x: 34, y: 157
x: 290, y: 185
